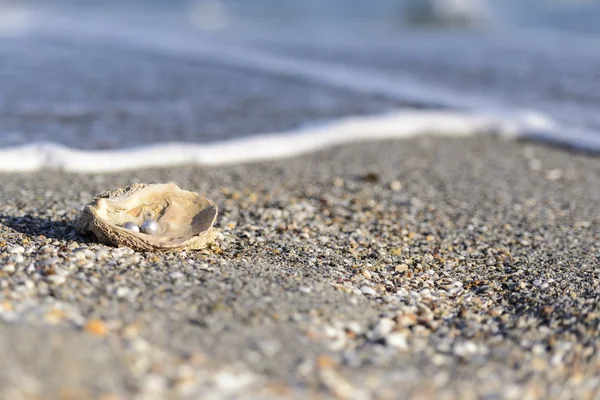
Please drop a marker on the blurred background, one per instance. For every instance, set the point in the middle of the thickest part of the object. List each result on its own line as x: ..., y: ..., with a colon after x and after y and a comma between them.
x: 115, y: 74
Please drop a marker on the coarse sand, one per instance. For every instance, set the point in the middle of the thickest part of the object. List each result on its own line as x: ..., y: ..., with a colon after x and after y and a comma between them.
x: 423, y: 268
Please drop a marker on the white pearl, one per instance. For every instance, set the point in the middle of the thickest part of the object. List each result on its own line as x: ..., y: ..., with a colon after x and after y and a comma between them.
x: 150, y: 227
x: 132, y: 226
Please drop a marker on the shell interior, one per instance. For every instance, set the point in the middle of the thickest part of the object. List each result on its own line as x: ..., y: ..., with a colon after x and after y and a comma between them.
x: 182, y: 216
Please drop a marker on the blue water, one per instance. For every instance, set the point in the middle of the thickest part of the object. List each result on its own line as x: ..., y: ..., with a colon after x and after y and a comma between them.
x: 113, y: 74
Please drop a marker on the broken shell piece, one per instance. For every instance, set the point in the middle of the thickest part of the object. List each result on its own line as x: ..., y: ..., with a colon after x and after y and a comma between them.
x: 184, y: 219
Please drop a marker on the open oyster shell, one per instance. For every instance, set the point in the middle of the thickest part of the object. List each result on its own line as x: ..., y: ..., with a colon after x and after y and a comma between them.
x: 185, y: 218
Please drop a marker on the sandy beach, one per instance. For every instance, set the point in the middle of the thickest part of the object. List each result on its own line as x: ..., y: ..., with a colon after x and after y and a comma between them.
x: 421, y: 268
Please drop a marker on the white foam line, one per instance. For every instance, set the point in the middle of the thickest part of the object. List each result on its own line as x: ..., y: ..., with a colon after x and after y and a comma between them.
x: 401, y: 124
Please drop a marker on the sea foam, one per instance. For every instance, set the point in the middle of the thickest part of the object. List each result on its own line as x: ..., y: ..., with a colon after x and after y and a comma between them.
x: 277, y: 145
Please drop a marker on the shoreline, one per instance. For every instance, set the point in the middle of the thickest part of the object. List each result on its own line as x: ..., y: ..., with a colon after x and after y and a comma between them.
x: 442, y: 266
x: 269, y: 147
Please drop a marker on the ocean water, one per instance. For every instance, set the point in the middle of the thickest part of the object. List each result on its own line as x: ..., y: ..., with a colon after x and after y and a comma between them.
x: 108, y: 85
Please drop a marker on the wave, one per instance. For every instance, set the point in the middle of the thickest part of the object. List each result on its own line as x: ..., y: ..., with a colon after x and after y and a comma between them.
x: 460, y: 114
x: 399, y: 124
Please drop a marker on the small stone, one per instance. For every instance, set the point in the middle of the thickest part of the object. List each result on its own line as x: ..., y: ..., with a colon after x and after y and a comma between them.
x: 406, y: 320
x: 465, y: 349
x: 366, y: 290
x: 50, y: 262
x: 57, y: 279
x: 55, y: 315
x: 397, y: 340
x: 29, y: 284
x: 338, y: 182
x: 371, y: 177
x: 102, y: 254
x: 305, y: 289
x: 95, y: 327
x: 123, y: 291
x: 6, y: 305
x: 9, y: 268
x: 18, y: 258
x: 554, y: 174
x: 401, y: 268
x: 155, y: 383
x: 535, y: 164
x: 87, y: 265
x: 176, y: 275
x: 396, y: 186
x: 17, y: 249
x: 354, y: 327
x: 384, y: 327
x: 325, y: 361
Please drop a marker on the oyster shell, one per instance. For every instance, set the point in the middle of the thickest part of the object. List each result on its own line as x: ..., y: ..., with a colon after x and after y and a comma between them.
x: 185, y: 218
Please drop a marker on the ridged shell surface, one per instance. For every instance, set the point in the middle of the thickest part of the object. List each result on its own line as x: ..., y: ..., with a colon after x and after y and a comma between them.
x: 185, y: 219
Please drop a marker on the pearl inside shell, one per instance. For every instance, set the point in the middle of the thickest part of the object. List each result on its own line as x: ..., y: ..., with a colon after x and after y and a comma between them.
x: 150, y: 227
x: 132, y: 226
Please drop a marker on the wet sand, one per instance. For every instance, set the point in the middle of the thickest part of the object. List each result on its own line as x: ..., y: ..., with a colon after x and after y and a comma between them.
x: 422, y: 268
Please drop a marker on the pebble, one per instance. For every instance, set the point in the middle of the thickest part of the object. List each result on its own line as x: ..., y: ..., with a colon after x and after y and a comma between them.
x: 367, y: 290
x: 17, y: 249
x: 354, y: 327
x: 29, y: 284
x: 535, y: 164
x: 175, y: 275
x: 9, y: 268
x: 323, y: 239
x: 95, y: 327
x: 102, y: 254
x: 155, y: 383
x: 17, y: 258
x: 465, y: 349
x: 49, y: 262
x: 383, y: 328
x: 56, y: 279
x: 123, y: 291
x: 397, y: 340
x: 554, y: 174
x: 396, y: 186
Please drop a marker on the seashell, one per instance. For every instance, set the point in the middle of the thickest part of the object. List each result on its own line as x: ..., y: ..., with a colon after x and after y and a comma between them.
x: 185, y: 219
